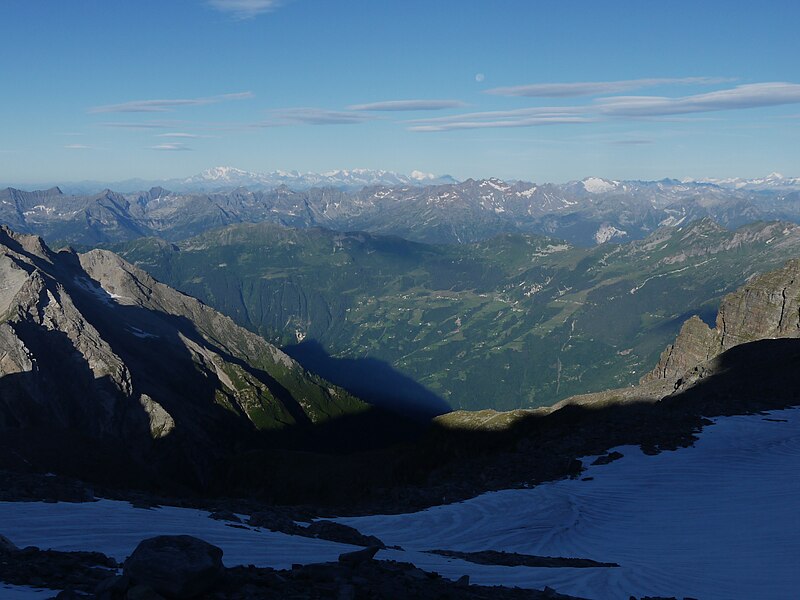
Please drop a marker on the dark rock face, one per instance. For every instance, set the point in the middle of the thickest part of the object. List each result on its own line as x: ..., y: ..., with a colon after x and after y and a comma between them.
x: 175, y: 566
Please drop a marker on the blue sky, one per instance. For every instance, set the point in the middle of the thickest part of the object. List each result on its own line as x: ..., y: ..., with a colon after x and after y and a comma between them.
x: 519, y: 89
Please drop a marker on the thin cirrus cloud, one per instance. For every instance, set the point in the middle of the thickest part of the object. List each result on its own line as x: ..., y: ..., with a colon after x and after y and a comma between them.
x: 244, y: 9
x: 631, y: 142
x: 314, y: 116
x: 167, y: 105
x: 407, y: 105
x: 597, y: 88
x: 747, y: 96
x: 139, y: 125
x: 754, y: 95
x: 171, y: 147
x: 77, y: 147
x: 521, y: 117
x: 179, y: 134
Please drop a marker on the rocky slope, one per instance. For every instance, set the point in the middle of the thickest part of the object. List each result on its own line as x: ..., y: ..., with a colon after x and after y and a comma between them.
x: 766, y: 307
x: 105, y: 370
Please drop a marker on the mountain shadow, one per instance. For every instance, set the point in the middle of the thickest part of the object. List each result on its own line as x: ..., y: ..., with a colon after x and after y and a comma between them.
x: 374, y: 381
x: 464, y: 454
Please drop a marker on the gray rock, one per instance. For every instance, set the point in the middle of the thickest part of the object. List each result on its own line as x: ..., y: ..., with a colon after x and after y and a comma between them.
x: 179, y: 566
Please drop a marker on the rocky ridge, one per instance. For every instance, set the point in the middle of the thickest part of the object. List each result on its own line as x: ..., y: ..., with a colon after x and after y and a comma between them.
x: 766, y: 307
x: 99, y: 358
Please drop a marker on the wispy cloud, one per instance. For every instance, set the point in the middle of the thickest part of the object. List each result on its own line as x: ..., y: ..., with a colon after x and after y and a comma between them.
x: 631, y: 142
x: 77, y: 147
x: 171, y: 147
x: 314, y: 116
x: 652, y: 108
x: 139, y: 125
x: 597, y: 88
x: 244, y: 9
x: 409, y: 105
x: 168, y: 105
x: 755, y: 95
x: 521, y: 117
x: 525, y: 122
x: 179, y: 134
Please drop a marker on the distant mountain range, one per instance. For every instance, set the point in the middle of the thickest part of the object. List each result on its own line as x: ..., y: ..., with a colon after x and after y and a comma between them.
x: 227, y: 178
x: 219, y: 179
x: 773, y: 181
x: 587, y: 212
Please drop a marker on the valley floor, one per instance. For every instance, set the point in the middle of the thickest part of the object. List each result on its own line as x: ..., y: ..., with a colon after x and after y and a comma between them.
x: 716, y: 520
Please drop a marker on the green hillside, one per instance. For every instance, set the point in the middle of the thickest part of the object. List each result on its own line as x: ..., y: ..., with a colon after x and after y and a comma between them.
x: 515, y: 321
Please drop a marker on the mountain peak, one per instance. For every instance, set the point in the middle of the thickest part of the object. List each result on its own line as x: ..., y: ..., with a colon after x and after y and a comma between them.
x: 596, y: 185
x: 94, y: 346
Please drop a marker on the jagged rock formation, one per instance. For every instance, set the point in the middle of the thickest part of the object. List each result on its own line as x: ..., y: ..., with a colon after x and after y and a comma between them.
x: 766, y: 307
x: 104, y: 369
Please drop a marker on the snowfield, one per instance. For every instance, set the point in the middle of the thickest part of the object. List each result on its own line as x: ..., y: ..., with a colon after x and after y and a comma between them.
x: 719, y: 520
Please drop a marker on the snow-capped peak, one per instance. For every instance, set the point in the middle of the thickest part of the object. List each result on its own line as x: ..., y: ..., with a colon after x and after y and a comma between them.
x: 421, y: 176
x: 773, y: 181
x: 595, y: 185
x: 223, y: 173
x: 224, y: 177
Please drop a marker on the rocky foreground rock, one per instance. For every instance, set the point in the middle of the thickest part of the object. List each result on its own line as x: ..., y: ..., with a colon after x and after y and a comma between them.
x: 183, y: 567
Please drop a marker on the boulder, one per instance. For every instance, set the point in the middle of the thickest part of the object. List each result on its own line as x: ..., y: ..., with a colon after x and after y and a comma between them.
x: 175, y: 566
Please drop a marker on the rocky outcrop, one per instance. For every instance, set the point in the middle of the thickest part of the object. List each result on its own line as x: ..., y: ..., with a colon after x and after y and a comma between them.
x: 766, y: 307
x: 695, y: 343
x: 106, y: 372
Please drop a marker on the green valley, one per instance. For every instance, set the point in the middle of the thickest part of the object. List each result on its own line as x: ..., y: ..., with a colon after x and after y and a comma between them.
x: 514, y: 321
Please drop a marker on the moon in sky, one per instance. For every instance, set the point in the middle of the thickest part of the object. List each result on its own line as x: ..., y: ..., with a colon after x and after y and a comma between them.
x: 480, y: 77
